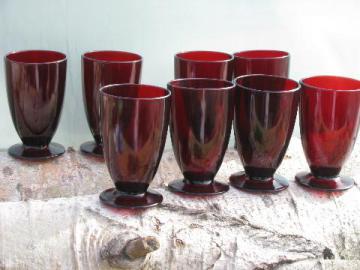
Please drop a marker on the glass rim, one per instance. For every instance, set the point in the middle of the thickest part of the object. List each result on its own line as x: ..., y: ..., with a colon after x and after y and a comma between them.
x: 102, y: 91
x: 85, y: 56
x: 231, y: 57
x: 325, y: 89
x: 63, y: 59
x: 285, y: 54
x: 226, y: 88
x: 295, y: 89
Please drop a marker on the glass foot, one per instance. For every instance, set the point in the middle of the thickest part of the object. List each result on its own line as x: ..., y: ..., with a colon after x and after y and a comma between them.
x: 185, y: 187
x: 241, y: 181
x: 21, y: 151
x: 114, y: 198
x: 339, y: 183
x: 92, y: 149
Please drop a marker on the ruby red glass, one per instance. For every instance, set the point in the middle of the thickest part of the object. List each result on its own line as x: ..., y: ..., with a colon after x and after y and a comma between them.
x: 200, y: 125
x: 204, y: 64
x: 268, y: 62
x: 329, y: 123
x: 134, y: 121
x: 35, y: 81
x: 100, y: 68
x: 265, y: 113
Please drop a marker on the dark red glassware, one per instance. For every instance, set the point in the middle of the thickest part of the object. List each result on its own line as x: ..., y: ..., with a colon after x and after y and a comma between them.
x: 101, y: 68
x: 35, y: 83
x: 134, y: 121
x: 265, y: 113
x: 204, y: 64
x: 200, y: 125
x: 269, y: 62
x: 329, y: 123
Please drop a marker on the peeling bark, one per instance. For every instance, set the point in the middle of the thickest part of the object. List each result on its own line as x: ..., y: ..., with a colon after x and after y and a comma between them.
x: 51, y: 218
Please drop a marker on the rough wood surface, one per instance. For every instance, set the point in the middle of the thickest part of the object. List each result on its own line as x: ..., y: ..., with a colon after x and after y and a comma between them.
x: 51, y: 218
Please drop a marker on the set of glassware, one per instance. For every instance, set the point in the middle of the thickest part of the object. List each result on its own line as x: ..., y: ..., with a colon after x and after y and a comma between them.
x: 129, y: 120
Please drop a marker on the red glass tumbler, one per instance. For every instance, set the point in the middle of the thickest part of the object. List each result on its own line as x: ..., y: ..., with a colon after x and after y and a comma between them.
x: 100, y: 68
x: 200, y: 125
x: 134, y: 120
x: 265, y: 113
x: 269, y: 62
x: 204, y: 64
x: 35, y: 81
x: 329, y: 123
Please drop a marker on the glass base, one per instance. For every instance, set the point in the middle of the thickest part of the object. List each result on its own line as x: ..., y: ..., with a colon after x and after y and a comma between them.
x: 339, y: 183
x: 273, y: 185
x: 185, y: 187
x: 20, y: 151
x: 92, y: 149
x: 114, y: 198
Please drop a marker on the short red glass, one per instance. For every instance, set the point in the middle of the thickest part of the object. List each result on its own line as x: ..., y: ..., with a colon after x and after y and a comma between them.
x: 100, y: 68
x: 329, y: 123
x: 35, y: 81
x: 269, y: 62
x: 134, y: 121
x: 200, y: 125
x: 204, y: 64
x: 265, y: 113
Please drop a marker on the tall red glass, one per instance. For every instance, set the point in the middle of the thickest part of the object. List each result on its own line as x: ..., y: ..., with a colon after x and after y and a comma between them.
x: 134, y: 121
x: 204, y: 64
x: 269, y: 62
x: 35, y: 81
x: 329, y: 123
x: 201, y: 117
x: 100, y: 68
x: 265, y: 113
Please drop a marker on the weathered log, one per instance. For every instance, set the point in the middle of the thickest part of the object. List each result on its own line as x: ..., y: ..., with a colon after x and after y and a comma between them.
x: 128, y: 255
x: 51, y: 218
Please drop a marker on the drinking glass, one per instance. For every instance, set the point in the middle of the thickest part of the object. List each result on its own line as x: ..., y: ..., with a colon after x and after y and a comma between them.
x: 329, y: 123
x: 35, y: 81
x: 204, y: 64
x: 134, y: 120
x: 200, y: 125
x: 100, y: 68
x: 269, y: 62
x: 265, y: 113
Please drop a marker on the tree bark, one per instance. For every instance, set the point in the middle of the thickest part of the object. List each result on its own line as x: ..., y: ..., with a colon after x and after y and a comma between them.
x: 51, y: 218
